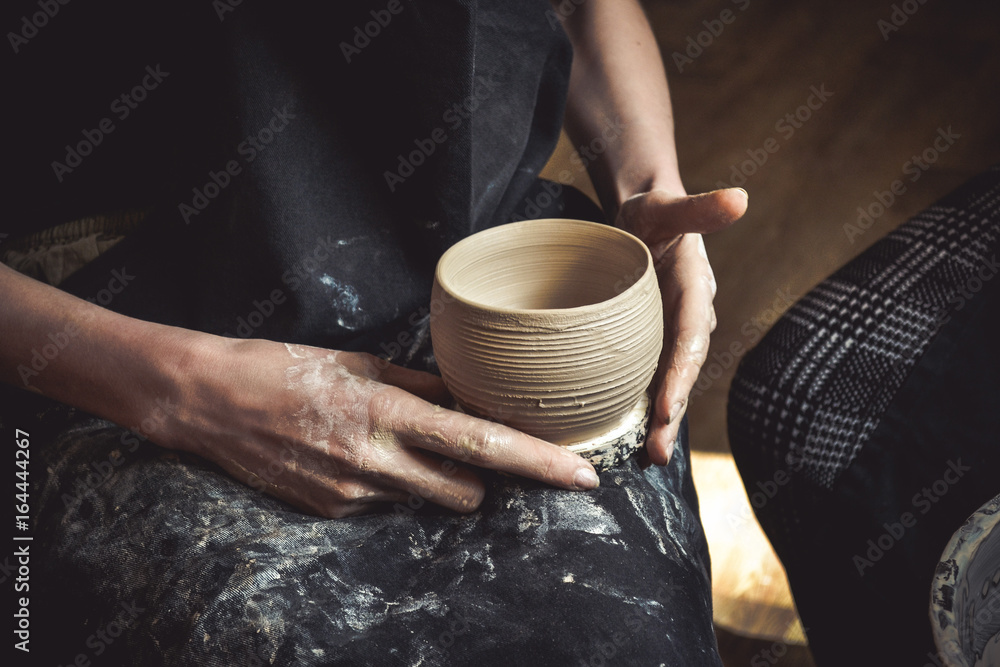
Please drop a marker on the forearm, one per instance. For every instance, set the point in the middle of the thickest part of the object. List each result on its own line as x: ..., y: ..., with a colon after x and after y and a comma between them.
x: 83, y: 355
x: 618, y: 80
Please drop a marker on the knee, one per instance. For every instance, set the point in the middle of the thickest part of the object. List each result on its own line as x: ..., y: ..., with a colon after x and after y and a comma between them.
x: 758, y: 409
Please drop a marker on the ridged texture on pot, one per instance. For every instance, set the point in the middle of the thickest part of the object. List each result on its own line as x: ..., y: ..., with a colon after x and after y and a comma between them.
x: 553, y: 327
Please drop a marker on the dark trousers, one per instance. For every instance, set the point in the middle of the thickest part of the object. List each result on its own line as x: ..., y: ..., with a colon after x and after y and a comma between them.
x: 144, y: 557
x: 875, y: 397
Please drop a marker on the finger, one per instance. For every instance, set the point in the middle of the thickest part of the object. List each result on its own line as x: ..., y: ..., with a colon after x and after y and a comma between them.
x: 348, y: 498
x: 305, y: 476
x: 429, y: 478
x: 427, y: 386
x: 688, y: 305
x: 385, y: 472
x: 486, y: 444
x: 317, y: 492
x: 670, y: 407
x: 659, y: 217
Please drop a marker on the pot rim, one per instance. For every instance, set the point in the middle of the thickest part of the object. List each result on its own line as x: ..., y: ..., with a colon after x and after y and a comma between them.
x: 585, y: 309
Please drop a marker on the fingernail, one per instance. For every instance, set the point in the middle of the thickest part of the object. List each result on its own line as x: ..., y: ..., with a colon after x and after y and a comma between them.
x: 745, y: 193
x: 586, y: 478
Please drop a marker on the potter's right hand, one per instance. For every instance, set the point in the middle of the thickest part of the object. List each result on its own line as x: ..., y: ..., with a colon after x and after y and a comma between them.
x: 337, y: 433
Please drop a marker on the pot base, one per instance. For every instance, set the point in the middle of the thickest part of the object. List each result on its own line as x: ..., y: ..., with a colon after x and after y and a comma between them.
x: 617, y: 445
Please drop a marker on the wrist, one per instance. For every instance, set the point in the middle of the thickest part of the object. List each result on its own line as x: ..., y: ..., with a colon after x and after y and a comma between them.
x: 178, y: 370
x: 634, y: 181
x: 152, y: 374
x: 647, y: 180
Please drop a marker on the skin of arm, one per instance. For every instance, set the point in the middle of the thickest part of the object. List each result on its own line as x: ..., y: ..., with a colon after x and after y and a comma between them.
x: 618, y: 81
x: 332, y: 433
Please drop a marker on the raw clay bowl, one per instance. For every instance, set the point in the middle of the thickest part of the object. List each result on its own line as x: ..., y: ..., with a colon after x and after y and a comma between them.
x: 553, y: 327
x: 965, y: 598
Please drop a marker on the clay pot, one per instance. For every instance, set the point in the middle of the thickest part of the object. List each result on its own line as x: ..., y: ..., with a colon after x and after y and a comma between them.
x: 965, y: 596
x: 553, y: 327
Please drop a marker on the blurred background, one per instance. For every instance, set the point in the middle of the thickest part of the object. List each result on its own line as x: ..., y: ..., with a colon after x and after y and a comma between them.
x: 816, y: 109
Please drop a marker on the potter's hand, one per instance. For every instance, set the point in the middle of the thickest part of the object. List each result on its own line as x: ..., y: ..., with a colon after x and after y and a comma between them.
x: 329, y: 432
x: 618, y: 93
x: 335, y: 433
x: 671, y: 224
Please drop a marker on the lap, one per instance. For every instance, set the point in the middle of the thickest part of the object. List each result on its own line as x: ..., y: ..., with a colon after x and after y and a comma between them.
x: 214, y: 572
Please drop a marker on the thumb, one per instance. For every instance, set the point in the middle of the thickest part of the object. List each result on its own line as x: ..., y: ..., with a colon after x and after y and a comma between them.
x: 658, y: 217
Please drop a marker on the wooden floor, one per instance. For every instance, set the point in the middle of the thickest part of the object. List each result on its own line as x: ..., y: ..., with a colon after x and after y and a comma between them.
x: 891, y: 89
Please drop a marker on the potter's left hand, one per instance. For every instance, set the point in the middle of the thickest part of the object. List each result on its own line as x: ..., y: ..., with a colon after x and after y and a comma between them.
x: 671, y: 224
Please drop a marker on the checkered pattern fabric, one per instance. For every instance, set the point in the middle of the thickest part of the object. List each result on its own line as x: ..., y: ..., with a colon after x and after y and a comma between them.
x: 816, y: 387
